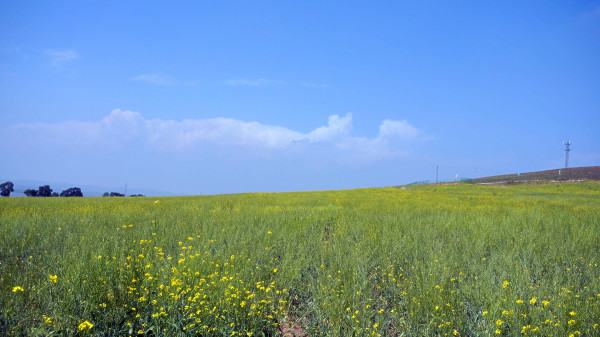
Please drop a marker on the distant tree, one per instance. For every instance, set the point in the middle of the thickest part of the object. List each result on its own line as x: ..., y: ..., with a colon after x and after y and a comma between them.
x: 44, y: 191
x: 105, y: 194
x: 71, y: 192
x: 31, y: 192
x: 136, y: 195
x: 116, y: 194
x: 55, y: 194
x: 6, y: 188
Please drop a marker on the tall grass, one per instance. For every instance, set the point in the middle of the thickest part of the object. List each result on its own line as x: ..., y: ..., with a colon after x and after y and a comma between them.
x: 432, y: 260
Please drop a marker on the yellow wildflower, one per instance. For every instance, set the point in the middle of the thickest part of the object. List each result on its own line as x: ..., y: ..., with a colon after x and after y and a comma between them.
x: 17, y: 289
x: 53, y: 278
x: 85, y: 325
x: 533, y: 300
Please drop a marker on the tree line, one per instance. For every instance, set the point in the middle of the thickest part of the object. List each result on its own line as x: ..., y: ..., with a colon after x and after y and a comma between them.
x: 117, y: 194
x: 43, y: 191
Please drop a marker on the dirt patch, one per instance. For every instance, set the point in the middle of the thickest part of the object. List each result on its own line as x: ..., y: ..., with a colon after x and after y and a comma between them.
x: 294, y: 330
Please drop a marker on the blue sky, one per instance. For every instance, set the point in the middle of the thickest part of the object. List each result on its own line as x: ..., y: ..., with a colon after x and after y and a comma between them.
x: 247, y: 96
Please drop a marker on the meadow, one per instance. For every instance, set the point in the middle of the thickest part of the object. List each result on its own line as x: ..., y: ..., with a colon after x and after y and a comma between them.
x: 452, y: 260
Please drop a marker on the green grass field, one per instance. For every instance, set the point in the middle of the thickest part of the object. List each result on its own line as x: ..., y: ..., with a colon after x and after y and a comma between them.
x: 459, y: 260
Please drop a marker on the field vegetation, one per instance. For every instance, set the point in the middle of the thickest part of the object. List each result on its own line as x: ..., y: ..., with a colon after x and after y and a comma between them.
x: 456, y: 260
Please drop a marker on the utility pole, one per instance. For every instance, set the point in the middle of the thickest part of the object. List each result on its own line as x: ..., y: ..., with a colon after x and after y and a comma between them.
x: 567, y: 149
x: 437, y: 169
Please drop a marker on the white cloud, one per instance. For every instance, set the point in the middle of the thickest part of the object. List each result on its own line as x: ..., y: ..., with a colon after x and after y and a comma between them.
x: 59, y: 57
x: 362, y: 149
x: 401, y: 129
x: 129, y: 129
x: 252, y: 83
x: 219, y: 131
x: 336, y: 127
x: 154, y: 78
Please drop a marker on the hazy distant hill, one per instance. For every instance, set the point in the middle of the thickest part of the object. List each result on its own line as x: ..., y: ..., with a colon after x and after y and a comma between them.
x: 573, y: 173
x: 569, y: 174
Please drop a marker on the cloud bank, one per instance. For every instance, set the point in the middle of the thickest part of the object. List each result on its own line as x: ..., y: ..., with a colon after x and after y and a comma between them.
x: 129, y: 128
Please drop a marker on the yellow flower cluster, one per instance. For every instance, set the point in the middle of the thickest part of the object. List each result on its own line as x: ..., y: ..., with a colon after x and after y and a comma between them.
x: 85, y: 325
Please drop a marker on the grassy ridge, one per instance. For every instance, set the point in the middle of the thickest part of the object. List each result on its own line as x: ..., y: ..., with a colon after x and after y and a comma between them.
x: 434, y: 260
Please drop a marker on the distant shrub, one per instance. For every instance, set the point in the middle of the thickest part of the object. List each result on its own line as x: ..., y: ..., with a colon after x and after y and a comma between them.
x: 71, y: 192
